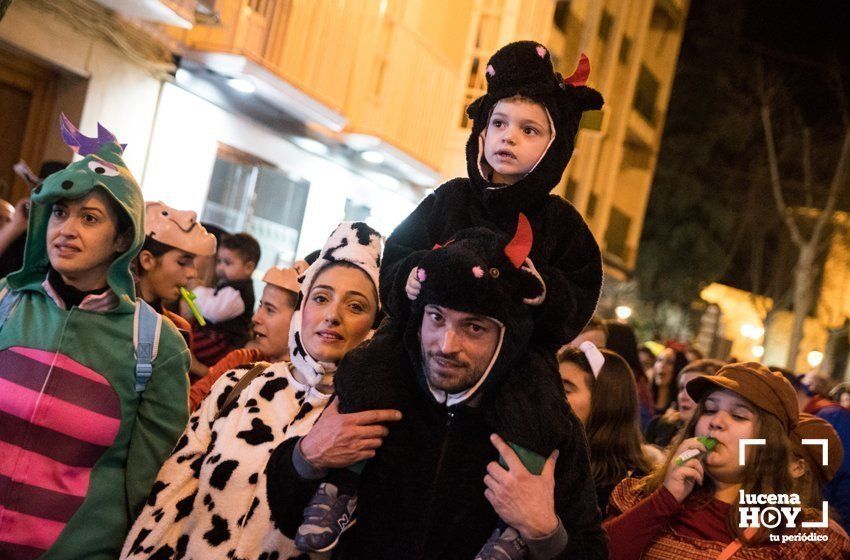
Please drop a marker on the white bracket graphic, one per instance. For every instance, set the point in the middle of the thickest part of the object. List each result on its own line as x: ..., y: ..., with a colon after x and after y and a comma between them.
x: 823, y: 523
x: 824, y: 443
x: 742, y: 448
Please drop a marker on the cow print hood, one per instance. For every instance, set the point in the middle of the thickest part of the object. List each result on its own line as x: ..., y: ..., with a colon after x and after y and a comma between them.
x: 351, y: 242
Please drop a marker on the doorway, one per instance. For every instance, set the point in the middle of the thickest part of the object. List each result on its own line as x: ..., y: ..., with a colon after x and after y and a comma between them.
x: 27, y: 99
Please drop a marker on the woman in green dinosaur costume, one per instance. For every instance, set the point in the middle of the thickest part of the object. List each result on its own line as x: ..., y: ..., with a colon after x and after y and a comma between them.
x: 93, y: 384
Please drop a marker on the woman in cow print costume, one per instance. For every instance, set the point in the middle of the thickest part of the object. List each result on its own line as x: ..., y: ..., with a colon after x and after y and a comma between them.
x: 209, y: 500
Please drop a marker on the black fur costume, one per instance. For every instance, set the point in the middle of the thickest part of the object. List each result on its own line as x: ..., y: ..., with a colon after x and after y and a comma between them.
x: 565, y: 251
x: 422, y: 495
x: 529, y: 405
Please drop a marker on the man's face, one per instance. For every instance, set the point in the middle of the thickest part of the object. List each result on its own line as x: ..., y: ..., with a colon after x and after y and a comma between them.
x: 457, y: 347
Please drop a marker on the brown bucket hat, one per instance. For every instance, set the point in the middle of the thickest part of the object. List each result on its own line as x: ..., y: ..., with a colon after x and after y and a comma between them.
x: 767, y: 390
x: 812, y: 427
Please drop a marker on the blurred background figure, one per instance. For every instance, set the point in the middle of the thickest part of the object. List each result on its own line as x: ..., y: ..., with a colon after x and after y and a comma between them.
x: 601, y: 390
x: 622, y: 340
x: 665, y: 377
x: 664, y: 427
x: 595, y: 331
x: 841, y: 394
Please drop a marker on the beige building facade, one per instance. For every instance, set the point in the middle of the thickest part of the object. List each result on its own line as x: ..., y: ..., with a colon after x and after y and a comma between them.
x: 342, y: 110
x: 633, y: 47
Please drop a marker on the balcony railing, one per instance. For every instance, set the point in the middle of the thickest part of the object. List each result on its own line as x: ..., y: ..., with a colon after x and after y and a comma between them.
x: 356, y: 57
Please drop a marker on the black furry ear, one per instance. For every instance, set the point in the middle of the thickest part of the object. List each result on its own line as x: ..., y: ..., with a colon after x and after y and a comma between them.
x: 588, y: 98
x: 530, y: 286
x: 472, y: 110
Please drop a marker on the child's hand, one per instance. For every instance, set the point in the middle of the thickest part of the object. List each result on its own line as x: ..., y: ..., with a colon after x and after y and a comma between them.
x: 528, y: 266
x: 680, y: 479
x: 413, y: 285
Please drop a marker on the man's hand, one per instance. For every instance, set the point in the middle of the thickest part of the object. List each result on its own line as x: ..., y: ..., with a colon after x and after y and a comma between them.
x: 340, y: 440
x: 524, y: 501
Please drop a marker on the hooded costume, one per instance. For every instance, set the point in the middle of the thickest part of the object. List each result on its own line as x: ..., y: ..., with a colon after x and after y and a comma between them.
x: 565, y: 252
x: 80, y: 444
x: 209, y: 499
x: 422, y: 495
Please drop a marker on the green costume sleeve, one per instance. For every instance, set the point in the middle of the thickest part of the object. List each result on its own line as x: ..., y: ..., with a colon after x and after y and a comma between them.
x: 161, y: 418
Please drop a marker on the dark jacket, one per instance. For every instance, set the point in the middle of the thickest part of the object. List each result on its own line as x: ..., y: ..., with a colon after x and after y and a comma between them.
x: 422, y: 496
x: 565, y: 252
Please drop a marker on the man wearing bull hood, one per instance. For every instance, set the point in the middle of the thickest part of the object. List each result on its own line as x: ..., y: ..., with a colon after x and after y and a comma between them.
x: 433, y: 486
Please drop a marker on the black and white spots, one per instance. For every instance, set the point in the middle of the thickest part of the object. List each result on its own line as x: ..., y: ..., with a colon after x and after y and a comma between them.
x: 258, y: 434
x: 209, y: 500
x: 158, y: 487
x: 222, y: 473
x: 219, y: 531
x: 269, y: 389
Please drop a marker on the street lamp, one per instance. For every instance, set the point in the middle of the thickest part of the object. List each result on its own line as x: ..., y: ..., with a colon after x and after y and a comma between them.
x: 623, y: 312
x: 814, y: 358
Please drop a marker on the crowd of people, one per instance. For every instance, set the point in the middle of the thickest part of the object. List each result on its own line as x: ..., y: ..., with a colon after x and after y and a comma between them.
x: 444, y: 392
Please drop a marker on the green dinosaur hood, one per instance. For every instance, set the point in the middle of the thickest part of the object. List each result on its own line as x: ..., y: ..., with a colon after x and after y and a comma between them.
x: 102, y: 166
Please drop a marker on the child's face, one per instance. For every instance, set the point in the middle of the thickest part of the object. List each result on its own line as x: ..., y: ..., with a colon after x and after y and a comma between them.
x: 165, y: 275
x: 517, y: 136
x: 728, y: 418
x: 230, y: 266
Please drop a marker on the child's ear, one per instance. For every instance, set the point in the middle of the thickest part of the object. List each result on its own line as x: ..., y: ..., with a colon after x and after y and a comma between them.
x: 146, y: 260
x: 250, y: 266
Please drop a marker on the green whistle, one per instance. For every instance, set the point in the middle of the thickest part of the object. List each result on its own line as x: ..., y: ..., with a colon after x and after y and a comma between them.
x: 708, y: 442
x: 189, y: 298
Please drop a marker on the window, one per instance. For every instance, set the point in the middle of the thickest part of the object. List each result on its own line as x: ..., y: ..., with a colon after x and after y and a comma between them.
x: 572, y: 189
x: 617, y: 233
x: 646, y: 94
x: 591, y: 205
x: 356, y: 212
x: 250, y: 194
x: 625, y: 50
x: 606, y: 22
x: 562, y: 14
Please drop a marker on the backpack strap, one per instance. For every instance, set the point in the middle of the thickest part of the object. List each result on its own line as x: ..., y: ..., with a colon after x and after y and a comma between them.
x: 244, y: 381
x: 8, y: 300
x: 147, y: 325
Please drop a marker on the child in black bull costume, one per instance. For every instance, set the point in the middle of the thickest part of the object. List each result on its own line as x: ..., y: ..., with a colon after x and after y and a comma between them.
x: 522, y: 138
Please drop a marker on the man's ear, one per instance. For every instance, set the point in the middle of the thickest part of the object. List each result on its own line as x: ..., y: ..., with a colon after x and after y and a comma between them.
x: 146, y: 260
